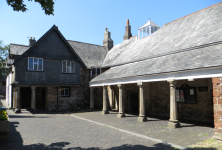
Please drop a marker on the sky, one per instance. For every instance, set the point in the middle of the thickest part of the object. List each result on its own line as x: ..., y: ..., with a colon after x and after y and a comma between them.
x: 86, y: 20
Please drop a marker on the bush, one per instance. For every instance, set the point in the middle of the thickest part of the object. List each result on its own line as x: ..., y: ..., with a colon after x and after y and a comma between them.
x: 3, y: 115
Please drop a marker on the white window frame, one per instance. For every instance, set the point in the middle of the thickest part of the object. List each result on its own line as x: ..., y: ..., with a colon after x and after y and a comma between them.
x: 35, y: 63
x: 96, y: 71
x: 63, y: 94
x: 70, y: 66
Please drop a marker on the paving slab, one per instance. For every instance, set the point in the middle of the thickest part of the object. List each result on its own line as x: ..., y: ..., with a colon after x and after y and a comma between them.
x: 188, y: 134
x: 64, y: 132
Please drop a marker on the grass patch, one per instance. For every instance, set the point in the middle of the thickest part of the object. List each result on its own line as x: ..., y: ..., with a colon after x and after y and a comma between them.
x: 209, y: 144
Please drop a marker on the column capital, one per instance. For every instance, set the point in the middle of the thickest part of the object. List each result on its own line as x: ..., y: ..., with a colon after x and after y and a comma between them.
x: 17, y: 88
x: 120, y: 86
x: 172, y: 82
x: 33, y: 87
x: 104, y: 86
x: 140, y: 84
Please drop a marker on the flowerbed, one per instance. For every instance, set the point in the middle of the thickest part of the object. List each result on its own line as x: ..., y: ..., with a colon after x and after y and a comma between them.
x: 3, y: 115
x: 4, y: 123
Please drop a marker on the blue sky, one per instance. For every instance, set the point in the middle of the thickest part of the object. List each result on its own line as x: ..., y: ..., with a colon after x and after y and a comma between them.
x: 85, y: 20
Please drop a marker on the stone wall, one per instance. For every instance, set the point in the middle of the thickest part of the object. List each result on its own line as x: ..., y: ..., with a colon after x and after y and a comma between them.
x: 217, y: 100
x: 201, y: 111
x: 78, y: 99
x: 157, y: 99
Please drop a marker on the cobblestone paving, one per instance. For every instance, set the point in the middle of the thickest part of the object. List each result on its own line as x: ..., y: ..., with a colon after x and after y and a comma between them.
x: 187, y: 135
x: 58, y: 132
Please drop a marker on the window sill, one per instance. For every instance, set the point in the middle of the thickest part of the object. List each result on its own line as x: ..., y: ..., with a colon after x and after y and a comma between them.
x: 67, y: 73
x: 35, y: 71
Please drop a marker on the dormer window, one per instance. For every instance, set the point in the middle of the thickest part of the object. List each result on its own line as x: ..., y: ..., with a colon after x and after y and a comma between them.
x: 95, y: 72
x: 147, y: 29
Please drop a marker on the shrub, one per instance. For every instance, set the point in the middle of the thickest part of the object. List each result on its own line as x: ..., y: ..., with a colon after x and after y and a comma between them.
x: 3, y: 115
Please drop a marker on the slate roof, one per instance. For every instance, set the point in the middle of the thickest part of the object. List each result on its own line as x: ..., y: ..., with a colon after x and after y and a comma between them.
x: 205, y: 57
x: 196, y: 29
x: 91, y: 55
x: 191, y: 42
x: 17, y: 49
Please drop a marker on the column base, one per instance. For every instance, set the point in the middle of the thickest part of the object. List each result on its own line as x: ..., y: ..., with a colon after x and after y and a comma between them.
x: 17, y: 110
x: 141, y: 118
x: 174, y: 124
x: 121, y: 115
x: 91, y: 109
x: 105, y: 112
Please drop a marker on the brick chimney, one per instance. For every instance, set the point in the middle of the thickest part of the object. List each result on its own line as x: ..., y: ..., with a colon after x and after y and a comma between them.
x: 32, y: 41
x: 128, y: 33
x: 107, y: 42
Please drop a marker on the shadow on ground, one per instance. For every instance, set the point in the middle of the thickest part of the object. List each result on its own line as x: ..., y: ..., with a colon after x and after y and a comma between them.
x: 62, y: 145
x: 15, y: 141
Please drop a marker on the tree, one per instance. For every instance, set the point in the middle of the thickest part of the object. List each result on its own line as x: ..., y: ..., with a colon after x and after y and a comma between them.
x: 4, y: 50
x: 18, y: 5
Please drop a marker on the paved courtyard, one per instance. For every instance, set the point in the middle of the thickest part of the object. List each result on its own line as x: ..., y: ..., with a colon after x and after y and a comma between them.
x: 66, y: 132
x: 93, y: 131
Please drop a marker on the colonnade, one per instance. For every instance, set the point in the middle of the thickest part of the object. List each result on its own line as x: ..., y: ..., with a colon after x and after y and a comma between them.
x: 17, y: 99
x: 173, y: 121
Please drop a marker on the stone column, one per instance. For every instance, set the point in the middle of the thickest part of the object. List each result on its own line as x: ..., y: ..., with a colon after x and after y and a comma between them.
x: 33, y: 100
x: 142, y: 115
x: 173, y: 122
x: 14, y: 99
x: 105, y: 99
x: 18, y: 101
x: 91, y: 99
x: 121, y: 103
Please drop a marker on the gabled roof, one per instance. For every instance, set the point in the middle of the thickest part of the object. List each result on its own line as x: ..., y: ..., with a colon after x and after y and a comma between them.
x: 92, y: 55
x: 209, y: 56
x: 148, y: 24
x: 17, y: 49
x: 193, y: 30
x: 56, y: 29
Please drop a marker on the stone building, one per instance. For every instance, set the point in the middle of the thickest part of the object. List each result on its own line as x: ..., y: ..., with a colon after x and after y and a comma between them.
x: 52, y: 73
x: 173, y: 71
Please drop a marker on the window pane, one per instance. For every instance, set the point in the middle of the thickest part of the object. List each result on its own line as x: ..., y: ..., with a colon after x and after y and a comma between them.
x: 35, y: 67
x: 30, y: 64
x: 35, y: 60
x: 68, y: 67
x: 66, y: 92
x: 73, y: 67
x: 98, y: 71
x: 64, y: 66
x: 40, y: 65
x: 93, y: 72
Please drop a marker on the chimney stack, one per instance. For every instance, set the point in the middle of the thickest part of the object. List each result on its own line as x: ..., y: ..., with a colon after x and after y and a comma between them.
x: 107, y: 42
x: 128, y: 33
x: 31, y: 41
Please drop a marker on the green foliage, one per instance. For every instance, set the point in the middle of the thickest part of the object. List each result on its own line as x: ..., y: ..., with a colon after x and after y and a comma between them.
x: 18, y: 5
x: 4, y: 50
x: 3, y: 115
